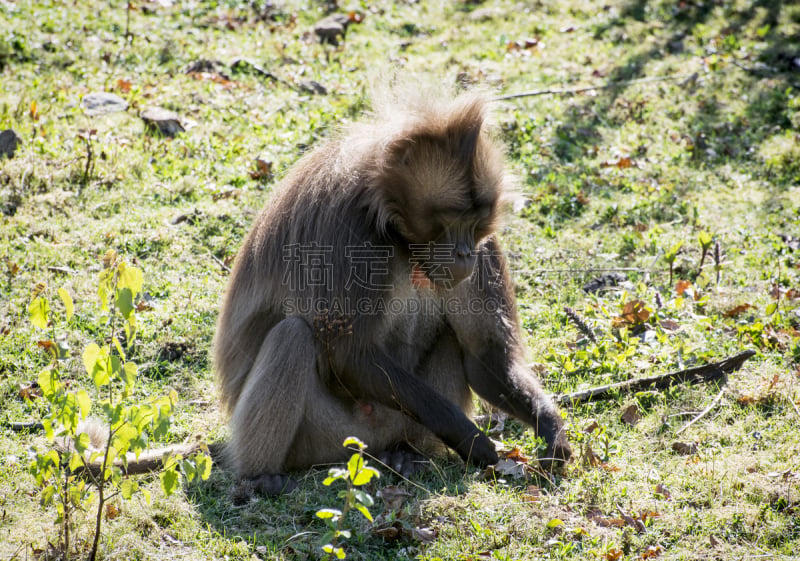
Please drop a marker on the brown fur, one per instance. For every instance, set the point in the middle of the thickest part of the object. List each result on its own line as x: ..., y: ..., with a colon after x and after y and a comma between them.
x: 296, y: 381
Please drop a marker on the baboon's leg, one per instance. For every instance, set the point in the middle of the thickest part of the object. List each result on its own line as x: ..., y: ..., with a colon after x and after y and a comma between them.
x: 270, y: 408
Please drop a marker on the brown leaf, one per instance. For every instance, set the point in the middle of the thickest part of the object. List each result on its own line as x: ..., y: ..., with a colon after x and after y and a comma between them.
x: 669, y: 325
x: 682, y: 286
x: 609, y: 467
x: 532, y: 494
x: 713, y: 541
x: 775, y: 292
x: 111, y: 511
x: 622, y: 163
x: 424, y: 535
x: 30, y: 392
x: 634, y: 312
x: 792, y: 294
x: 684, y: 449
x: 123, y: 86
x: 393, y: 497
x: 738, y: 310
x: 651, y: 552
x: 631, y: 415
x: 38, y: 289
x: 516, y: 455
x: 662, y: 490
x: 591, y: 427
x: 263, y: 169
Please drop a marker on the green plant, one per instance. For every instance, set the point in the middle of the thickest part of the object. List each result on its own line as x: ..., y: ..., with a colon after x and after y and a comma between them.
x: 706, y: 241
x: 356, y: 474
x: 75, y: 472
x: 670, y: 255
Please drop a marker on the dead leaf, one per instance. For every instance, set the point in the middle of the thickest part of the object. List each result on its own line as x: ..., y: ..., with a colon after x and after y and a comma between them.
x: 613, y: 555
x: 424, y: 535
x: 684, y: 449
x: 38, y: 289
x: 634, y: 312
x: 682, y: 286
x: 621, y: 163
x: 775, y: 292
x: 713, y: 541
x: 651, y: 552
x: 111, y: 511
x: 590, y: 457
x: 631, y: 415
x: 263, y: 169
x: 393, y: 497
x: 532, y: 494
x: 30, y: 392
x: 124, y: 86
x: 738, y: 310
x: 516, y: 456
x: 792, y: 294
x: 591, y: 427
x: 662, y: 490
x: 669, y: 325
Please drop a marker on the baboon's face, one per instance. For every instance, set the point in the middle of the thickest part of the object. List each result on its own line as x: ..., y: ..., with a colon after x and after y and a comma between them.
x: 444, y: 207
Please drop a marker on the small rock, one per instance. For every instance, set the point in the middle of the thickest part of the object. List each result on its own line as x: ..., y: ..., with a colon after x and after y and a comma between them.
x: 332, y: 28
x: 102, y: 103
x: 162, y: 121
x: 313, y: 87
x: 9, y: 141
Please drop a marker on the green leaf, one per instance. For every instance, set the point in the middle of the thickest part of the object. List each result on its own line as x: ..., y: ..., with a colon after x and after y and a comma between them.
x: 75, y: 462
x: 365, y: 475
x: 363, y: 510
x: 125, y: 302
x: 353, y: 441
x: 130, y: 278
x: 363, y: 497
x: 331, y: 513
x: 555, y: 523
x: 354, y: 465
x: 169, y: 481
x: 82, y: 442
x: 189, y: 470
x: 705, y: 239
x: 337, y: 552
x: 203, y: 463
x: 84, y: 402
x: 96, y: 361
x: 128, y: 487
x: 128, y: 374
x: 69, y: 305
x: 39, y: 312
x: 49, y: 384
x: 772, y: 308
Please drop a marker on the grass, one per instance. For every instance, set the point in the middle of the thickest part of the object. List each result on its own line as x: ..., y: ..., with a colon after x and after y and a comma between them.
x: 613, y: 179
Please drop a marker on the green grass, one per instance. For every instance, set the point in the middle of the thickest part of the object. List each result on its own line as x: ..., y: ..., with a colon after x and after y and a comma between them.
x: 714, y: 150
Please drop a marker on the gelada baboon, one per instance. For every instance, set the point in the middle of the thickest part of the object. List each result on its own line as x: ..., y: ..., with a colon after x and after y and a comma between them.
x: 371, y: 297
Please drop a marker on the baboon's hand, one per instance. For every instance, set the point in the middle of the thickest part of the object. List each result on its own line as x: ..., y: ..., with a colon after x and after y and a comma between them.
x: 478, y: 450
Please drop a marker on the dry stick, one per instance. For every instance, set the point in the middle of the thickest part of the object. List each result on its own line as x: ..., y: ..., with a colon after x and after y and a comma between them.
x: 702, y: 413
x: 152, y: 461
x: 610, y: 85
x: 698, y: 374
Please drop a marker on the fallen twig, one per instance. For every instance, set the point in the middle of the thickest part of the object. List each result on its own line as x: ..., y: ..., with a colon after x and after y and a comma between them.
x: 608, y: 86
x: 702, y: 413
x: 716, y: 371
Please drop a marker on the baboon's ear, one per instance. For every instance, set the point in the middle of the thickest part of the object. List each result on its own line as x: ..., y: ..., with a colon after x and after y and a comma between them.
x: 464, y: 130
